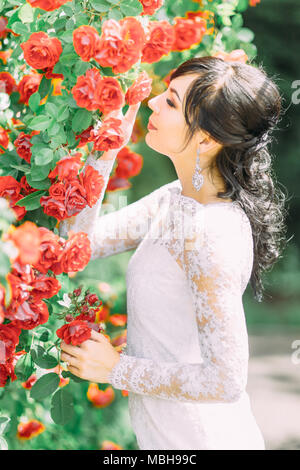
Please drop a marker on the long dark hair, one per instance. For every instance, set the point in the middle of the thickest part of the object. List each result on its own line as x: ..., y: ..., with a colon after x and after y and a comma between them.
x: 238, y: 106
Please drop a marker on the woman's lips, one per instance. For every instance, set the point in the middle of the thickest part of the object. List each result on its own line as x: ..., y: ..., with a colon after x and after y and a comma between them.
x: 151, y: 127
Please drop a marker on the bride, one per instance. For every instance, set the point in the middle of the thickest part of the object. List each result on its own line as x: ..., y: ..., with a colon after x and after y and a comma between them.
x: 200, y: 239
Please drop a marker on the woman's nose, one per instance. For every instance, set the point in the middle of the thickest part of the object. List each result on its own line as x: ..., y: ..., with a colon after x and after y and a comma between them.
x: 153, y: 104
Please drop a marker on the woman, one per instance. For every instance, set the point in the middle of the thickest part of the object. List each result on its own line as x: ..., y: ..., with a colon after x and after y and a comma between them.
x: 200, y: 240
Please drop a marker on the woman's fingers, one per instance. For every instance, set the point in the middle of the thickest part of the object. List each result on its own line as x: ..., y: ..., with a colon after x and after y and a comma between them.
x: 99, y: 337
x: 70, y: 349
x: 132, y: 111
x: 71, y: 360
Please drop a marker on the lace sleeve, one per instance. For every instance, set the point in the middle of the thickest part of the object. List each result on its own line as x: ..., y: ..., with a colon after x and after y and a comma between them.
x: 213, y: 261
x: 116, y: 231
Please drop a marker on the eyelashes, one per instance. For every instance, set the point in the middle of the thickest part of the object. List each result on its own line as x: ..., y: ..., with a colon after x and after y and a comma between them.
x: 170, y: 103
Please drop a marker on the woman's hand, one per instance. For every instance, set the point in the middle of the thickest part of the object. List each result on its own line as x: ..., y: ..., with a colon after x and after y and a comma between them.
x: 91, y: 360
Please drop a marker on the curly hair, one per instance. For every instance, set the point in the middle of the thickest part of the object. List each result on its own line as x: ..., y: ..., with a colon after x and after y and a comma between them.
x: 239, y: 106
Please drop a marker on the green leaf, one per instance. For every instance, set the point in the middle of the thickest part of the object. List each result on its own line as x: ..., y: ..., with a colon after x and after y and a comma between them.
x: 62, y: 407
x: 34, y: 101
x: 4, y: 264
x: 39, y: 173
x: 81, y: 120
x: 4, y: 420
x: 115, y: 14
x: 26, y: 13
x: 38, y: 184
x: 25, y: 168
x: 32, y: 201
x: 100, y: 5
x: 42, y: 358
x: 67, y: 374
x: 42, y: 333
x: 242, y: 5
x: 40, y: 123
x: 45, y: 87
x: 24, y: 367
x: 51, y: 109
x: 245, y: 35
x: 131, y: 7
x: 237, y: 21
x: 3, y: 444
x: 44, y: 156
x: 69, y: 59
x: 20, y: 28
x: 63, y: 113
x: 81, y: 67
x: 53, y: 129
x: 66, y: 36
x: 45, y: 386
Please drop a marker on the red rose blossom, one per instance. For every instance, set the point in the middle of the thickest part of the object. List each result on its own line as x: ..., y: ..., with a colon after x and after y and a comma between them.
x: 75, y: 332
x: 41, y: 51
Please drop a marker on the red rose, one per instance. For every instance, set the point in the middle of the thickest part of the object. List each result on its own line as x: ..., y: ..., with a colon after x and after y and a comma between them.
x: 23, y: 146
x: 48, y: 5
x: 41, y: 51
x: 58, y: 191
x: 7, y: 83
x: 2, y: 303
x: 77, y: 252
x: 85, y: 39
x: 89, y: 316
x: 75, y: 332
x: 162, y: 37
x: 28, y: 85
x: 9, y: 187
x: 28, y: 315
x: 67, y: 168
x: 93, y: 183
x: 25, y: 187
x: 7, y: 371
x: 30, y: 429
x: 150, y: 6
x: 51, y: 250
x: 140, y: 89
x: 84, y: 90
x: 9, y: 338
x: 91, y: 299
x: 109, y: 136
x: 109, y: 95
x: 116, y: 183
x: 4, y: 139
x: 53, y: 207
x: 120, y: 44
x: 19, y: 211
x: 27, y: 239
x: 20, y: 290
x: 45, y: 287
x: 84, y: 136
x: 187, y: 33
x: 129, y: 163
x: 75, y: 198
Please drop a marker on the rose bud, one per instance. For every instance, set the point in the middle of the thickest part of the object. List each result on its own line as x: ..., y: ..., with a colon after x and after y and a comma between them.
x: 92, y: 298
x: 69, y: 317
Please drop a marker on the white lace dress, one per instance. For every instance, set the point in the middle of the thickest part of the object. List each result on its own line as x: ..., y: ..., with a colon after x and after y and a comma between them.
x: 185, y: 365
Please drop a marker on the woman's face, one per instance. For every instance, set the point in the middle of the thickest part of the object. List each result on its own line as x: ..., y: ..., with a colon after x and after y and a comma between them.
x: 168, y: 118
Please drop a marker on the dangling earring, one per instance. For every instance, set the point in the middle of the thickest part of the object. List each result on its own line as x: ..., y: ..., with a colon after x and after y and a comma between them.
x: 198, y: 178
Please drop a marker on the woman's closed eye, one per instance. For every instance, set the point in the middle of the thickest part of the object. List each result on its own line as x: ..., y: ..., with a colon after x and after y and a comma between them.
x: 170, y: 103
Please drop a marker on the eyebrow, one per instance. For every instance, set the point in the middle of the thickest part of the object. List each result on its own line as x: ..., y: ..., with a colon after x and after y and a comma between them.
x: 174, y: 91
